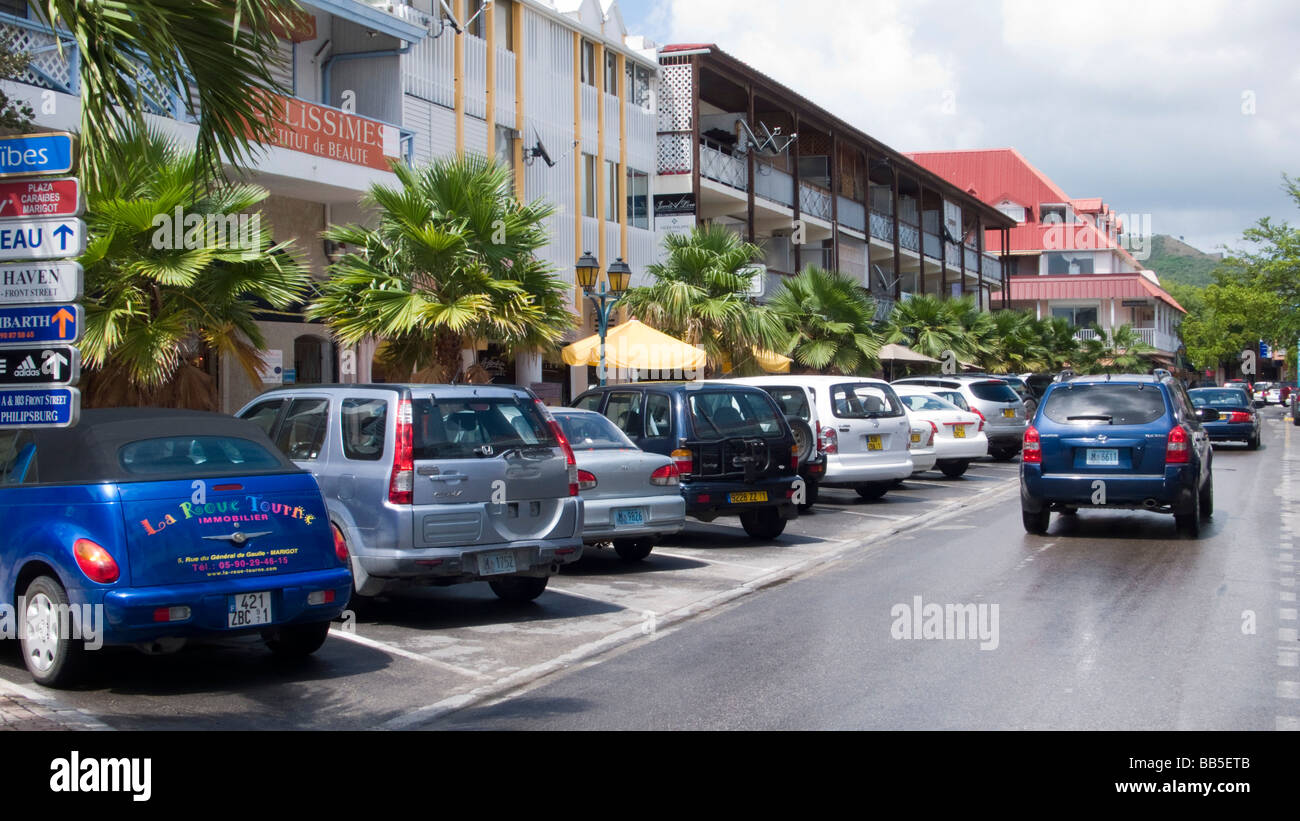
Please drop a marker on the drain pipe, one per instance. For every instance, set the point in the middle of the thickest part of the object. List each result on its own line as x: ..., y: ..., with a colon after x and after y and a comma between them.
x: 328, y: 68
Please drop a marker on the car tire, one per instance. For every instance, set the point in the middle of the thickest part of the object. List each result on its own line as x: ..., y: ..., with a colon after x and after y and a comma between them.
x: 1207, y: 498
x: 53, y: 661
x: 519, y: 589
x: 765, y: 523
x: 873, y: 490
x: 810, y: 496
x: 295, y: 641
x: 803, y: 437
x: 1189, y: 522
x: 1003, y: 454
x: 1253, y: 442
x: 1036, y: 523
x: 953, y: 469
x: 633, y: 550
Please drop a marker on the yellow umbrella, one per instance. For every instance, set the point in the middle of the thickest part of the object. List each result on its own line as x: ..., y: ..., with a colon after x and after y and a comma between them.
x: 635, y: 345
x: 769, y: 361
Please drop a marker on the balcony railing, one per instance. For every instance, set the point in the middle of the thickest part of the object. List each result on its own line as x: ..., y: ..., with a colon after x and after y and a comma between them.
x: 1150, y: 336
x: 773, y: 183
x: 933, y: 245
x: 972, y: 258
x: 814, y: 202
x: 952, y: 255
x: 851, y: 214
x: 882, y: 226
x: 909, y: 237
x: 57, y: 69
x: 719, y: 165
x: 992, y: 271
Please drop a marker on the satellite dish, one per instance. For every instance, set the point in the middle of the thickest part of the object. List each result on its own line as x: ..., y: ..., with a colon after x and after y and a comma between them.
x: 538, y: 150
x: 885, y: 284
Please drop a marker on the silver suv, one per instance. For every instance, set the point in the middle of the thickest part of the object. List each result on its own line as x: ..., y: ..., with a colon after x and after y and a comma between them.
x: 1004, y: 414
x: 435, y: 484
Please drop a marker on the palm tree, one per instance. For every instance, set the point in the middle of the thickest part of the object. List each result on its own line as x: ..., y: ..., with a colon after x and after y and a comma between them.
x: 153, y: 309
x: 1118, y: 350
x: 829, y: 318
x: 930, y: 325
x: 451, y: 260
x: 1016, y: 344
x: 219, y: 54
x: 701, y: 294
x: 1057, y: 338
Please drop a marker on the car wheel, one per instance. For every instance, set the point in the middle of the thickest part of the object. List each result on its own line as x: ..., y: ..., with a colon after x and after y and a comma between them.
x: 53, y: 659
x: 1189, y: 522
x: 1207, y: 498
x: 1253, y: 442
x: 299, y: 640
x: 803, y: 436
x: 810, y: 496
x: 763, y: 524
x: 1069, y: 511
x: 873, y: 490
x: 1003, y: 454
x: 519, y: 588
x: 1036, y: 523
x: 633, y: 550
x: 954, y: 469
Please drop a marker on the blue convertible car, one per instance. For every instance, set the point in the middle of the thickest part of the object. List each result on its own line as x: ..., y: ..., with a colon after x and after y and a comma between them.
x: 149, y: 527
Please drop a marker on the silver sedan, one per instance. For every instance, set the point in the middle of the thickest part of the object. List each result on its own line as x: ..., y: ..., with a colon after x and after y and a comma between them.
x: 630, y: 497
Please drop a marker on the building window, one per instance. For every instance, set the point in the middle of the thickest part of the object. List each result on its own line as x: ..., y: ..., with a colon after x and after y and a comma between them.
x: 1066, y: 264
x: 611, y: 191
x: 611, y: 72
x: 476, y: 19
x: 1079, y: 317
x: 638, y: 199
x: 503, y: 18
x: 588, y: 185
x: 638, y: 85
x: 505, y: 149
x: 588, y: 62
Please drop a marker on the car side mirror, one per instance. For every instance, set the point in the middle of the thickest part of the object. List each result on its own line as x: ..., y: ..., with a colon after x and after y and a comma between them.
x: 1208, y: 415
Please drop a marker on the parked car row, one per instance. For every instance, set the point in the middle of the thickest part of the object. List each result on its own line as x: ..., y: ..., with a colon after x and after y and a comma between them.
x: 184, y: 526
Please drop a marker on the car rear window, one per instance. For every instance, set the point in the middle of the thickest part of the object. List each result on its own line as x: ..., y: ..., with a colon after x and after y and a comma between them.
x: 591, y: 431
x: 1219, y: 398
x: 469, y: 427
x: 864, y: 400
x: 1105, y: 404
x: 194, y: 456
x: 724, y: 414
x: 793, y: 401
x: 993, y: 391
x: 921, y: 402
x: 955, y: 398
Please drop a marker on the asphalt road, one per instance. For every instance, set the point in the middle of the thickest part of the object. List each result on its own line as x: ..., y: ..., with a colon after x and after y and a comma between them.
x: 1110, y: 621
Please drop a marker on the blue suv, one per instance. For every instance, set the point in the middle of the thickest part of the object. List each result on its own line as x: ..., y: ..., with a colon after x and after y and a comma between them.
x: 1140, y: 435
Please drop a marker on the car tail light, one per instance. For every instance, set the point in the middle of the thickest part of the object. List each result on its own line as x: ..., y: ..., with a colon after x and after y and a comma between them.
x: 569, y: 458
x: 666, y: 475
x: 1176, y: 446
x: 934, y: 431
x: 166, y: 614
x: 1239, y: 416
x: 1031, y: 452
x: 978, y: 413
x: 830, y: 440
x: 682, y: 459
x: 340, y: 545
x: 794, y: 457
x: 320, y: 597
x: 95, y: 561
x: 401, y: 485
x: 586, y: 480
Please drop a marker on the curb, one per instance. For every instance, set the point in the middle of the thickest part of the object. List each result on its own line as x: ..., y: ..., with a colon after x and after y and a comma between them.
x: 42, y: 707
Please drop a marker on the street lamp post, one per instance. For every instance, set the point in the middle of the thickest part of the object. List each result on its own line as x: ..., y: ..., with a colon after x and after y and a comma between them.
x: 587, y: 271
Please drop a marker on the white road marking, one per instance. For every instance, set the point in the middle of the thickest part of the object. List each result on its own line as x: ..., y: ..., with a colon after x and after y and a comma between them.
x: 393, y: 650
x: 874, y: 515
x: 1285, y: 723
x: 1286, y: 613
x: 1288, y: 689
x: 1288, y: 658
x: 709, y: 560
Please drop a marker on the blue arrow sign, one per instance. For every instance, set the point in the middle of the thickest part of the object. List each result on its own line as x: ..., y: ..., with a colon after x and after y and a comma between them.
x: 40, y: 323
x: 42, y: 239
x: 37, y: 154
x: 39, y: 407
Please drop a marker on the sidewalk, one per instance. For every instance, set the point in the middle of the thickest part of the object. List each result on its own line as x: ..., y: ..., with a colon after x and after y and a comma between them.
x: 27, y: 708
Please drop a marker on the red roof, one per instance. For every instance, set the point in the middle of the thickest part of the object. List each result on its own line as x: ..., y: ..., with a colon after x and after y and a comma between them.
x: 686, y: 47
x: 1088, y: 286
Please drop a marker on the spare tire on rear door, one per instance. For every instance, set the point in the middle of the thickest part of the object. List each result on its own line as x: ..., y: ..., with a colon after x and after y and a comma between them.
x: 803, y: 437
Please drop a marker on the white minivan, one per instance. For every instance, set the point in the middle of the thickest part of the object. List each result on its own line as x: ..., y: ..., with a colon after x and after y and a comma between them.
x: 863, y: 429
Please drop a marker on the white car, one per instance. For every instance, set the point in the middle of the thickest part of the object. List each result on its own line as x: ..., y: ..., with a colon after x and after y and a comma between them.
x: 922, y: 447
x: 959, y: 435
x: 864, y: 429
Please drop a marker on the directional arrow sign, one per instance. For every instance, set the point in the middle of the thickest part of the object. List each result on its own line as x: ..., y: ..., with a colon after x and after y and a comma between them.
x: 41, y: 323
x: 52, y: 365
x: 42, y: 239
x: 40, y: 282
x: 53, y: 197
x: 39, y: 407
x: 52, y: 153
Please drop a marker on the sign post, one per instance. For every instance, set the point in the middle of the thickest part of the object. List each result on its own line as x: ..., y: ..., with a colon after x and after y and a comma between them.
x: 40, y: 320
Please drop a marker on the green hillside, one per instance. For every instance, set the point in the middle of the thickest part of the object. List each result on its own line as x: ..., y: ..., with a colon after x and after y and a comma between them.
x: 1176, y: 261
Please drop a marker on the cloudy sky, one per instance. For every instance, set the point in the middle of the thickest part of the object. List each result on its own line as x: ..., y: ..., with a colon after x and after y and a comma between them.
x: 1187, y: 110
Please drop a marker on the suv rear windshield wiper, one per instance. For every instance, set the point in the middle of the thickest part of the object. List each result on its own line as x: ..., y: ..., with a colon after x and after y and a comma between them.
x: 1101, y: 416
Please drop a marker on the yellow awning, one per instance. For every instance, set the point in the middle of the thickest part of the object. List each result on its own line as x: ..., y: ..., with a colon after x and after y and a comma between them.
x: 772, y: 362
x: 635, y: 345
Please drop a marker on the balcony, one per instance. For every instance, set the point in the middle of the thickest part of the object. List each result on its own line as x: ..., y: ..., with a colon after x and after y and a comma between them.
x: 852, y: 214
x: 814, y: 201
x: 719, y: 165
x: 772, y: 183
x: 1150, y: 336
x: 882, y: 226
x: 909, y: 237
x: 933, y: 245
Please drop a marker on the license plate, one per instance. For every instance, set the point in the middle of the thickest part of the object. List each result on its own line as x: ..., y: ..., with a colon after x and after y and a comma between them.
x: 248, y: 609
x: 628, y: 516
x: 748, y: 496
x: 959, y: 431
x: 916, y: 437
x: 494, y: 564
x: 1103, y: 456
x: 1009, y: 413
x: 873, y: 442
